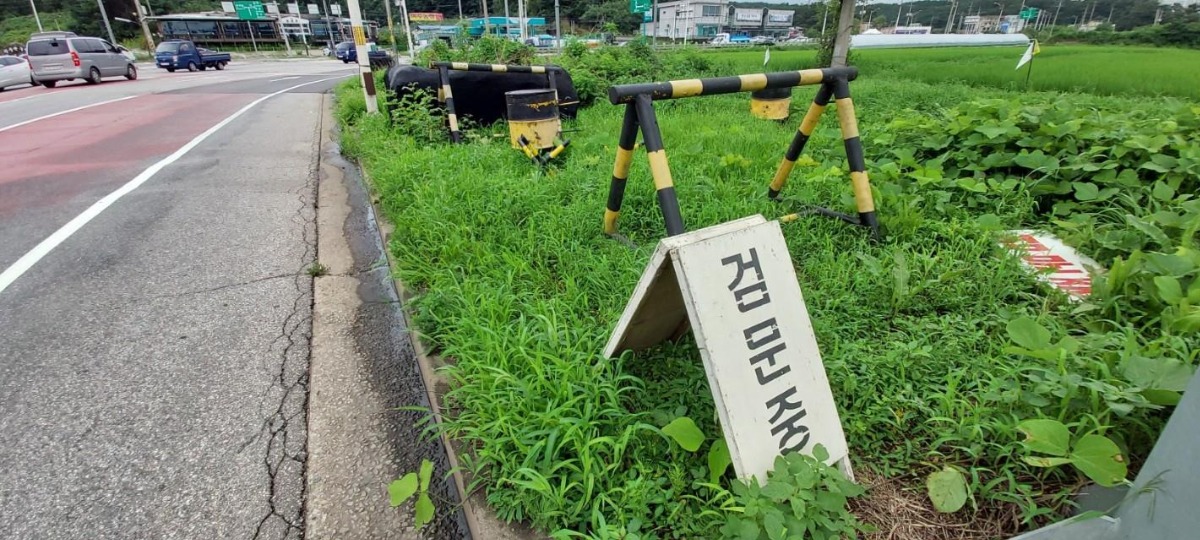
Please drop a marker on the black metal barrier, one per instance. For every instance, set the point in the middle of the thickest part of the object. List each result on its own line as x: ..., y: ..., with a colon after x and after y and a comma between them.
x: 639, y: 115
x: 448, y: 98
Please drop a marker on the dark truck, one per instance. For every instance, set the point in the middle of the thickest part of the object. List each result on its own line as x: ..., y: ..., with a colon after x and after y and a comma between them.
x: 180, y: 54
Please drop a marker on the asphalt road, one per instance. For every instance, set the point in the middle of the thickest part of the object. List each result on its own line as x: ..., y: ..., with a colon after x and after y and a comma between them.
x: 154, y: 302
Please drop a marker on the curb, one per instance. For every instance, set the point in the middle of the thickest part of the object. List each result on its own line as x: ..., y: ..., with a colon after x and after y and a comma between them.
x: 482, y: 523
x: 426, y: 365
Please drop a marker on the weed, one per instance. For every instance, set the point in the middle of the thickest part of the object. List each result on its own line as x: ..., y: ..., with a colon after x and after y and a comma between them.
x: 316, y: 269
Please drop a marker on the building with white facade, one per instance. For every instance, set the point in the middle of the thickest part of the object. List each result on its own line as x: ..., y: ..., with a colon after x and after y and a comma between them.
x: 689, y: 19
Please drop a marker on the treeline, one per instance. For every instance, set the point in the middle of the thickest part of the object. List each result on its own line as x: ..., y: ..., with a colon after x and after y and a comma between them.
x: 1175, y: 34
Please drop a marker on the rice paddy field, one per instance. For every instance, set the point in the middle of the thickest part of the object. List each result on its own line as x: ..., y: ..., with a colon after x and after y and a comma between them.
x: 950, y: 364
x: 1129, y: 71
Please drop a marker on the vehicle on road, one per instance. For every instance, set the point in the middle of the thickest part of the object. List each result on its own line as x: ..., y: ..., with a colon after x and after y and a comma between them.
x: 14, y: 71
x: 127, y: 53
x: 182, y: 54
x: 762, y: 40
x: 347, y: 53
x: 64, y: 56
x: 730, y: 39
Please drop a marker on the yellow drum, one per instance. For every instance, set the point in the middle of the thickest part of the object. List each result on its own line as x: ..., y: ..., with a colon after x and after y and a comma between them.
x: 771, y: 103
x: 533, y: 114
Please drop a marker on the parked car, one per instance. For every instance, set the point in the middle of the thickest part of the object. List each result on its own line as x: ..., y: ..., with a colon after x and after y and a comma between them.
x: 182, y: 54
x: 14, y: 71
x: 127, y: 53
x: 762, y: 40
x: 64, y: 56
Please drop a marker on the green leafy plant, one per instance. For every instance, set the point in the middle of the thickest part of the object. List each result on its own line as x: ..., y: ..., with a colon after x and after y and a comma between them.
x: 947, y: 489
x: 403, y: 488
x: 802, y: 498
x: 1096, y: 456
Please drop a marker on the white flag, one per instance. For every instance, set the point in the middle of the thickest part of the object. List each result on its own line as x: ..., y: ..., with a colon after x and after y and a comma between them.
x: 767, y: 56
x: 1028, y: 56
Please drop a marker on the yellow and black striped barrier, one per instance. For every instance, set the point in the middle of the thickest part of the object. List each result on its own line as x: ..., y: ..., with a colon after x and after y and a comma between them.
x: 447, y: 98
x: 639, y: 114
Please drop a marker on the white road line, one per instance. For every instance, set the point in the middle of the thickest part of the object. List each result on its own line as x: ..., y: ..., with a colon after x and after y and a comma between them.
x: 25, y: 98
x: 60, y: 113
x: 34, y: 255
x: 284, y: 79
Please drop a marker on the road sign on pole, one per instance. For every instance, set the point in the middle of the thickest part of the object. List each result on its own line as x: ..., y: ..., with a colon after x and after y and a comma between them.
x: 248, y: 10
x: 1029, y: 14
x: 639, y: 6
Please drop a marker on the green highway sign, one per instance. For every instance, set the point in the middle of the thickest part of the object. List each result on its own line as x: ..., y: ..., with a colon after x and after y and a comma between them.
x: 249, y: 9
x: 639, y: 6
x: 1029, y: 14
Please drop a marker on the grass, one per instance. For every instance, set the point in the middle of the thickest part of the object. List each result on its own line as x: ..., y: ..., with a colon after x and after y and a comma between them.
x: 519, y: 289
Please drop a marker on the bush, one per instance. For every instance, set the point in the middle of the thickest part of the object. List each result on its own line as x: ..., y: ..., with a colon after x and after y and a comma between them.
x: 485, y: 50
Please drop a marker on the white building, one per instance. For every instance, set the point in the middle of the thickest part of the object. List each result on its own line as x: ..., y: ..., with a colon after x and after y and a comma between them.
x: 688, y: 19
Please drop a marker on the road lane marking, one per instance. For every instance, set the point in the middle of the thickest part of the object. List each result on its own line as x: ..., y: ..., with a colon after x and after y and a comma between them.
x: 34, y: 255
x: 284, y: 79
x: 25, y: 98
x: 60, y: 113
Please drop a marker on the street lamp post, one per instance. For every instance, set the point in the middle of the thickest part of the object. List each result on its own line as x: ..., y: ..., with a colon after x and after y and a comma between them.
x: 35, y: 16
x: 107, y: 25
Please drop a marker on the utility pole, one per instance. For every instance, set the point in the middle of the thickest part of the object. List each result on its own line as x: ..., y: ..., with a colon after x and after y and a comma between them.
x: 507, y: 19
x: 35, y: 16
x: 899, y: 10
x: 387, y: 7
x: 107, y: 25
x: 408, y: 36
x: 460, y: 15
x: 557, y: 28
x: 329, y: 26
x: 145, y: 29
x: 841, y: 40
x: 825, y: 19
x: 364, y: 60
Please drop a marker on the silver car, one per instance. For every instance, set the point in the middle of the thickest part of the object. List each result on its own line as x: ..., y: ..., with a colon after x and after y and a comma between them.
x: 64, y: 56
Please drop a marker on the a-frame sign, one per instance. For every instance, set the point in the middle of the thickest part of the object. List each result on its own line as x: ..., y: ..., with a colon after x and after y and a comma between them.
x: 735, y: 286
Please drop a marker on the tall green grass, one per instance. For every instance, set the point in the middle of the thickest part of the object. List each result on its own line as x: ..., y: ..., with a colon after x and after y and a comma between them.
x: 519, y: 288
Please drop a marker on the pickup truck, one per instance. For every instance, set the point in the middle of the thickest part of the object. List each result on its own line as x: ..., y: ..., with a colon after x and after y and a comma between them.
x: 728, y: 39
x: 347, y: 53
x: 180, y: 54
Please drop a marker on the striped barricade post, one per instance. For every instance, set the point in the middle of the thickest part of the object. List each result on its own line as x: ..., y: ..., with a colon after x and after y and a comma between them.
x: 639, y: 115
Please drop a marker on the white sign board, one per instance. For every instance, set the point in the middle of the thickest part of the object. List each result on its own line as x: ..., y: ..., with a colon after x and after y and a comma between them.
x: 313, y: 9
x: 779, y: 17
x: 293, y: 8
x: 227, y: 7
x: 1055, y: 262
x: 744, y: 15
x: 336, y: 9
x: 273, y: 8
x: 736, y: 284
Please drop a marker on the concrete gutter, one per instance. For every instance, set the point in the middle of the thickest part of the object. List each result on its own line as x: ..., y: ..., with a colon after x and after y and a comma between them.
x: 364, y: 370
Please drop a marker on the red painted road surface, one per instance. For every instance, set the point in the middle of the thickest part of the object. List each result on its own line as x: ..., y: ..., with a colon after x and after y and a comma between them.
x: 52, y: 170
x: 56, y: 160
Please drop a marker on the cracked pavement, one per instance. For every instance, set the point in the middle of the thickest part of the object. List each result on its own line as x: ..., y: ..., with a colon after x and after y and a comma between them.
x: 154, y: 367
